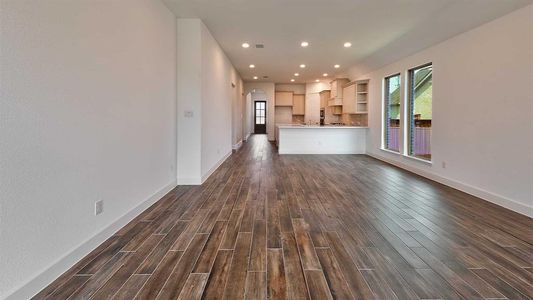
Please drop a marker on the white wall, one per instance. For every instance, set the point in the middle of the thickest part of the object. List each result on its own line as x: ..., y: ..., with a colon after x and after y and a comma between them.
x: 189, y: 82
x: 269, y: 89
x: 239, y: 102
x: 205, y: 77
x: 482, y: 111
x: 295, y: 88
x: 218, y: 97
x: 247, y: 122
x: 88, y: 112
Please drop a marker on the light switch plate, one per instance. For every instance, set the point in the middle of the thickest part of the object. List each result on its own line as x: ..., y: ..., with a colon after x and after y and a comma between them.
x: 98, y: 207
x: 189, y: 114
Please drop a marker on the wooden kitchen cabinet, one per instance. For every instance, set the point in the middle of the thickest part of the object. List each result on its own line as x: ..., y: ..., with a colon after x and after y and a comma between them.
x: 355, y: 97
x: 336, y: 92
x: 298, y: 105
x: 361, y: 97
x: 348, y: 99
x: 335, y: 102
x: 336, y: 87
x: 324, y: 98
x: 284, y: 98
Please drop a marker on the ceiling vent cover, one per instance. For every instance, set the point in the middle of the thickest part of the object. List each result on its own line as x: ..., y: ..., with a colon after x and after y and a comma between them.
x: 259, y: 46
x: 265, y: 77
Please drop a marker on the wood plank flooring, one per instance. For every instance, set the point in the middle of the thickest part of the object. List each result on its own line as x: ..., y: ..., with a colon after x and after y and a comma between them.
x: 310, y: 227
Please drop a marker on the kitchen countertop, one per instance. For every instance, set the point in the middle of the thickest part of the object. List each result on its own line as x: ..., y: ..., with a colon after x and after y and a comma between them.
x: 301, y: 126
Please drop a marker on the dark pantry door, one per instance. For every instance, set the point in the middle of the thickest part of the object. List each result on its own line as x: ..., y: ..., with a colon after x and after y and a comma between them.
x: 260, y: 117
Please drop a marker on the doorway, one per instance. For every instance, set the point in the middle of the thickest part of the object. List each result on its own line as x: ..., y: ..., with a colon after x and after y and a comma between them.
x: 260, y: 117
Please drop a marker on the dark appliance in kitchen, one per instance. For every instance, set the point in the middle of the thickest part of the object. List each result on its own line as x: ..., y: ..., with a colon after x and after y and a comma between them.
x: 322, y: 116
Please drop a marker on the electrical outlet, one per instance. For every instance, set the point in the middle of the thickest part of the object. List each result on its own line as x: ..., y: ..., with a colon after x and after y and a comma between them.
x: 188, y: 114
x: 444, y: 165
x: 98, y: 207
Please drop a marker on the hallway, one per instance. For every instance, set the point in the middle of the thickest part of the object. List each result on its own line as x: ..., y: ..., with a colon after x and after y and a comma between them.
x: 310, y: 226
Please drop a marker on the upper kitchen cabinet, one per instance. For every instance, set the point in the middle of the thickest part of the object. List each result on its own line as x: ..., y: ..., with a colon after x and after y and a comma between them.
x: 284, y: 98
x: 361, y: 97
x: 298, y: 105
x: 355, y: 96
x: 325, y: 95
x: 348, y: 99
x: 336, y: 91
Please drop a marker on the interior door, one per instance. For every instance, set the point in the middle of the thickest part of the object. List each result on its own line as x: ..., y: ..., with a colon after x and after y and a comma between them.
x: 260, y: 117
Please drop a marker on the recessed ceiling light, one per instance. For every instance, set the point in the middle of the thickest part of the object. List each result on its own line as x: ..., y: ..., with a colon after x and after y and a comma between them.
x: 336, y: 66
x: 296, y: 74
x: 304, y: 44
x: 252, y: 66
x: 325, y: 74
x: 255, y: 77
x: 302, y: 66
x: 292, y: 80
x: 245, y: 45
x: 347, y: 45
x: 318, y: 80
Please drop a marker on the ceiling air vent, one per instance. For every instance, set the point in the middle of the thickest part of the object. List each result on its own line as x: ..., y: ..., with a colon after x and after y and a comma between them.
x: 265, y: 77
x: 259, y: 46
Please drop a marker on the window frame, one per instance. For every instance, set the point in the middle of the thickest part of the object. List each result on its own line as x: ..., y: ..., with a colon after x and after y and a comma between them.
x: 262, y: 108
x: 409, y: 104
x: 386, y: 113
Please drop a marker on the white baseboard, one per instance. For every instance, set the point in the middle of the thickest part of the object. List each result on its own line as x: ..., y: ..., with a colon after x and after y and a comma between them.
x: 190, y: 181
x: 215, y: 167
x: 469, y: 189
x: 43, y: 279
x: 237, y: 146
x: 247, y: 136
x: 317, y: 152
x: 200, y: 180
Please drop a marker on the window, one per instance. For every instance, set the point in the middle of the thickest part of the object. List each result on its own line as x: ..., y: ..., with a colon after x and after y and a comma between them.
x: 419, y: 105
x: 392, y: 113
x: 260, y: 109
x: 260, y: 117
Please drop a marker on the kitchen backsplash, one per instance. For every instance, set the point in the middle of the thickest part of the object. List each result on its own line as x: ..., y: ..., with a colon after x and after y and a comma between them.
x: 356, y: 120
x: 297, y: 119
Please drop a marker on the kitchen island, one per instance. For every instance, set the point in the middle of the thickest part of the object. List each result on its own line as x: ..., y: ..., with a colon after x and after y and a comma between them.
x: 316, y: 139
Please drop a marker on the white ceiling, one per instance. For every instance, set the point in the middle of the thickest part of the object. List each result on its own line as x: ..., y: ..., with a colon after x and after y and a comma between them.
x: 381, y: 31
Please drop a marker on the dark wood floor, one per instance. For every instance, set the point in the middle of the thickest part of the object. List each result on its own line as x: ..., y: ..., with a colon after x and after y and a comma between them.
x: 309, y: 226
